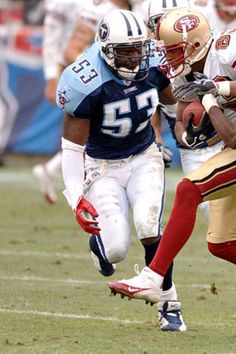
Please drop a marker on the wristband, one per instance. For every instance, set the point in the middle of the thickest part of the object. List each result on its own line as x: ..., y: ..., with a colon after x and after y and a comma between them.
x: 223, y: 88
x: 69, y: 145
x: 209, y: 101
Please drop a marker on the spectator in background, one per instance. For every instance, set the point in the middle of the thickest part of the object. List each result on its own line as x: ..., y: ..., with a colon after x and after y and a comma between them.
x: 60, y: 17
x: 33, y: 12
x: 221, y: 14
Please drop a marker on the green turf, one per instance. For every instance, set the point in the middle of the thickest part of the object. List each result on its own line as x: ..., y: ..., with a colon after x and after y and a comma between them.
x: 53, y: 300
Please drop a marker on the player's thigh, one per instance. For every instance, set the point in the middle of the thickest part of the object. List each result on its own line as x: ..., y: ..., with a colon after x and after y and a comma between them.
x: 216, y: 178
x: 110, y: 200
x: 222, y: 220
x: 146, y: 193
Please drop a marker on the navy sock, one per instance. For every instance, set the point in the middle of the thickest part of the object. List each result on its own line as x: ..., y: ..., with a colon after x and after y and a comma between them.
x: 96, y: 246
x: 149, y: 254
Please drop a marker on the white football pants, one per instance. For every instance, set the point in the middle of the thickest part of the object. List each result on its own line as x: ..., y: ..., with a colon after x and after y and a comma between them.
x: 137, y: 181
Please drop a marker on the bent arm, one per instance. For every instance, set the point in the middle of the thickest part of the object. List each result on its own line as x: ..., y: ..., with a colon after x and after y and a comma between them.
x: 75, y: 135
x: 225, y: 128
x: 166, y: 96
x: 81, y: 39
x: 179, y: 126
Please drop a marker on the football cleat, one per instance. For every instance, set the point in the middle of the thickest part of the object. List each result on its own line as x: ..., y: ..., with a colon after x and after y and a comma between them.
x: 170, y: 316
x: 46, y: 183
x: 143, y: 286
x: 99, y: 258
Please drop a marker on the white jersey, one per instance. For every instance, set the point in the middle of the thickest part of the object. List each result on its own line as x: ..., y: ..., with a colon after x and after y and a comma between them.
x: 220, y: 65
x: 91, y: 12
x: 59, y: 22
x: 140, y: 7
x: 209, y: 11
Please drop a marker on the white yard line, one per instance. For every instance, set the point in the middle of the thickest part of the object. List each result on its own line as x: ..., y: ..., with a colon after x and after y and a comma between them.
x: 90, y: 317
x: 84, y: 256
x: 68, y: 315
x: 84, y: 281
x: 43, y: 254
x: 51, y: 280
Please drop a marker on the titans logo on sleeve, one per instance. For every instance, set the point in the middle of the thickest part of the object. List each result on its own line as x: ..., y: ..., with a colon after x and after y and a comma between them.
x: 119, y: 111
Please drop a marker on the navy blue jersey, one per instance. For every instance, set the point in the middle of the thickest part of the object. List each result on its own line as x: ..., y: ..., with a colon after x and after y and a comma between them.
x: 119, y: 110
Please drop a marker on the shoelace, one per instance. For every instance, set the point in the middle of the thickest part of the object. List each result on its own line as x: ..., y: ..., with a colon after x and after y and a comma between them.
x: 136, y: 269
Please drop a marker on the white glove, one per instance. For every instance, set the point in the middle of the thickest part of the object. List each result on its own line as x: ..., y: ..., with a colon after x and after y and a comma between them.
x: 167, y: 154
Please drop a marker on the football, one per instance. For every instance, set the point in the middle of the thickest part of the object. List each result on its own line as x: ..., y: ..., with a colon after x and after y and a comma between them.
x: 197, y: 109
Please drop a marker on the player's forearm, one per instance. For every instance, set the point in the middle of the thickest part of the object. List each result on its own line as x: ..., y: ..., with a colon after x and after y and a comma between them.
x: 233, y: 88
x: 156, y: 124
x: 72, y: 171
x: 179, y: 128
x: 225, y: 128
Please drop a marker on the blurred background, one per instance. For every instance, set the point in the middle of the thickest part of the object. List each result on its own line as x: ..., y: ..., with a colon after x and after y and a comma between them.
x: 24, y: 127
x: 30, y: 125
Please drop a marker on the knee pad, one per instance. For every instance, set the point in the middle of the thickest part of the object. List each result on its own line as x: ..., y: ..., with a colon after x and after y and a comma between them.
x: 225, y: 250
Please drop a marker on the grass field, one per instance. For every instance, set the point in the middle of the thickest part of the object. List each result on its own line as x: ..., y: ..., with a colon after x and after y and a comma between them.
x: 54, y: 301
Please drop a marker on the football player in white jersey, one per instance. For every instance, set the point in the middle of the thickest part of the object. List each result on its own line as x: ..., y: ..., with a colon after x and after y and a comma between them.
x: 190, y: 158
x: 69, y: 28
x: 109, y: 95
x: 221, y: 14
x: 140, y: 7
x: 186, y: 39
x: 60, y: 17
x: 88, y: 18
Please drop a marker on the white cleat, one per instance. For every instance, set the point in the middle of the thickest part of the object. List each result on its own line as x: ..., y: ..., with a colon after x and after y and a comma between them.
x: 170, y: 316
x: 46, y: 183
x: 143, y: 286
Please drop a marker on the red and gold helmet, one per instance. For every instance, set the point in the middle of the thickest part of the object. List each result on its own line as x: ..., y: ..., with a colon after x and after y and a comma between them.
x: 184, y: 37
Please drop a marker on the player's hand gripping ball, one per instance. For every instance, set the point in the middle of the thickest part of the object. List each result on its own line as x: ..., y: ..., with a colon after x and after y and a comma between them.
x: 198, y: 127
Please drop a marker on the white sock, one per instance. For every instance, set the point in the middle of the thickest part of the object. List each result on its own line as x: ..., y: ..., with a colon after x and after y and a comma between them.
x: 170, y: 294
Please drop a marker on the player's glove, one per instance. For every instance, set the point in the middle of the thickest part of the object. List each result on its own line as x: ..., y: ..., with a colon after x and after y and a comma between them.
x: 167, y: 155
x: 185, y: 93
x: 190, y: 91
x: 196, y: 136
x: 85, y: 215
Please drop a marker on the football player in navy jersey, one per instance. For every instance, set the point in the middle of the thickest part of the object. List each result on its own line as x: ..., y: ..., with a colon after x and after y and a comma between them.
x: 109, y: 95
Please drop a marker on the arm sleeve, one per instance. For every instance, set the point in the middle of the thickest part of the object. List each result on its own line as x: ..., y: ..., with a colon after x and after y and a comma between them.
x: 72, y: 171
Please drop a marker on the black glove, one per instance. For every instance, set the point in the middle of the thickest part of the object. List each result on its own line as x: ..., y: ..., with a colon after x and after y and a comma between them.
x: 196, y: 136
